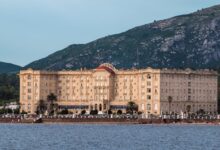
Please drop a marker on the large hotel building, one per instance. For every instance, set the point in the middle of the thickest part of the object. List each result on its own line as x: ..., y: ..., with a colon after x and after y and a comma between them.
x: 155, y: 91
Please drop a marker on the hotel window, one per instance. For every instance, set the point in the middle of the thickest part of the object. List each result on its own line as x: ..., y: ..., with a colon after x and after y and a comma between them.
x: 189, y: 77
x: 189, y: 84
x: 189, y: 98
x: 29, y: 97
x: 148, y: 97
x: 29, y: 83
x: 29, y: 106
x: 29, y: 90
x: 142, y: 78
x: 29, y: 77
x: 148, y: 90
x: 149, y: 76
x: 156, y: 92
x: 189, y: 91
x: 148, y: 83
x: 148, y: 107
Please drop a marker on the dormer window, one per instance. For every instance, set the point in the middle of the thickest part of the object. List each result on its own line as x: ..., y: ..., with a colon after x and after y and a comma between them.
x: 29, y: 77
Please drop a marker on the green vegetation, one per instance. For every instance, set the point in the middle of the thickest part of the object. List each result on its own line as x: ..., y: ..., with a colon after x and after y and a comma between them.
x: 170, y: 99
x: 186, y: 41
x: 83, y: 112
x: 119, y: 112
x: 41, y: 107
x: 9, y: 88
x: 52, y: 107
x: 109, y: 111
x: 93, y: 112
x: 219, y: 92
x: 132, y: 107
x: 64, y: 112
x: 9, y: 111
x: 8, y: 68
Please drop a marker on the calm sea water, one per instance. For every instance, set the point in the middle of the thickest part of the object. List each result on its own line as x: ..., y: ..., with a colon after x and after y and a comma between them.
x: 109, y: 137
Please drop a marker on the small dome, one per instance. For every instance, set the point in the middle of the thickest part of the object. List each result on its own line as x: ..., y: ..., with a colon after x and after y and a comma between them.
x: 108, y: 67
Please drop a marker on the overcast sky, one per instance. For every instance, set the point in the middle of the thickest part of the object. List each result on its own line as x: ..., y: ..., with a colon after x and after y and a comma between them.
x: 33, y: 29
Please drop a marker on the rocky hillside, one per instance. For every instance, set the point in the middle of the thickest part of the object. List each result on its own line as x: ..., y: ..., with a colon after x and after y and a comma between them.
x: 8, y: 68
x: 191, y: 40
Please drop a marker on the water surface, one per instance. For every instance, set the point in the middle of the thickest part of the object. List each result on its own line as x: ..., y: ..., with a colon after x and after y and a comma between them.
x: 109, y: 137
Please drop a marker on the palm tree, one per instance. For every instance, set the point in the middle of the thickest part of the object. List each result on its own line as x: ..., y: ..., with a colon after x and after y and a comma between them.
x: 131, y: 107
x: 41, y: 107
x: 188, y: 108
x: 52, y: 107
x: 170, y: 99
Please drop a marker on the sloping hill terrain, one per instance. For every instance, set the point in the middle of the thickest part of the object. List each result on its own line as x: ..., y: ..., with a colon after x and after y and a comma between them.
x: 8, y: 68
x: 191, y: 40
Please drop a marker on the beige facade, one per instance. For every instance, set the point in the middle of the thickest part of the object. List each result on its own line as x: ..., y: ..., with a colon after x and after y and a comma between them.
x: 107, y: 88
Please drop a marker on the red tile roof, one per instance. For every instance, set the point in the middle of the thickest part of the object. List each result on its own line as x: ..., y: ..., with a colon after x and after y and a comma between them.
x: 106, y: 68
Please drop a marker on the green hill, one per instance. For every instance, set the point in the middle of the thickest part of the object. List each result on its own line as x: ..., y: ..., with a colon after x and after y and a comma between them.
x: 191, y: 40
x: 8, y: 68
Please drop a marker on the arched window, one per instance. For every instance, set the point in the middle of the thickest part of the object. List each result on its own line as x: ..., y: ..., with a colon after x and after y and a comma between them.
x: 29, y: 77
x: 100, y: 107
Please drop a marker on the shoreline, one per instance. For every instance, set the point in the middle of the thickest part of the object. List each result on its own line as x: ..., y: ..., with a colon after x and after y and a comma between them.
x: 110, y: 121
x: 116, y: 124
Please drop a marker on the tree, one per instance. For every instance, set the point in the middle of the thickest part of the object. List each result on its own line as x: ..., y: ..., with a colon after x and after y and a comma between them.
x: 52, y: 106
x: 94, y: 112
x: 83, y: 112
x: 64, y: 112
x: 41, y: 107
x: 188, y: 108
x: 201, y: 112
x: 109, y: 111
x: 9, y: 87
x: 131, y: 107
x: 170, y: 99
x: 119, y: 112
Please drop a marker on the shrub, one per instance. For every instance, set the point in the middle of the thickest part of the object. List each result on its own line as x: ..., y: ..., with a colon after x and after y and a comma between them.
x: 64, y: 112
x: 109, y: 111
x: 139, y: 113
x: 93, y: 112
x: 23, y: 112
x: 119, y: 112
x: 83, y: 112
